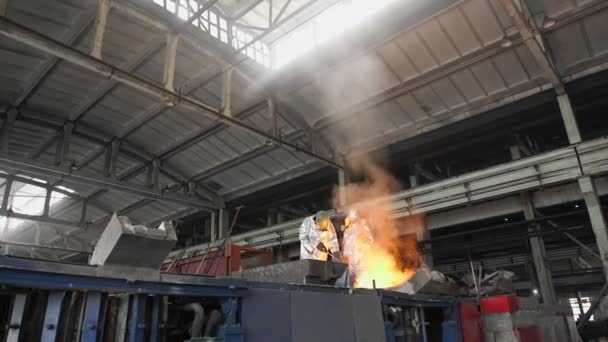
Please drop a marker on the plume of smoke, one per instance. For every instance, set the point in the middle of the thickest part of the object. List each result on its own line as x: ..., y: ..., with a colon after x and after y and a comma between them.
x: 391, y: 252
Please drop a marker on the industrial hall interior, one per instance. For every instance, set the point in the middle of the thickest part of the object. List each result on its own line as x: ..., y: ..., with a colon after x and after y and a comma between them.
x: 303, y: 170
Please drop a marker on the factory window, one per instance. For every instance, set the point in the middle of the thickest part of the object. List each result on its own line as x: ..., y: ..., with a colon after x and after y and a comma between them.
x: 328, y: 24
x: 27, y: 197
x: 217, y: 26
x: 576, y: 310
x: 257, y: 51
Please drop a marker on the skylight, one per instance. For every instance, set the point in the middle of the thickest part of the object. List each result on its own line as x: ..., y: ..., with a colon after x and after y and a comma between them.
x: 218, y: 27
x: 28, y: 199
x: 328, y: 24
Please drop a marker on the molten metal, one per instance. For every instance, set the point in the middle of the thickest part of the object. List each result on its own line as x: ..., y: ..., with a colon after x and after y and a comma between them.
x: 389, y: 261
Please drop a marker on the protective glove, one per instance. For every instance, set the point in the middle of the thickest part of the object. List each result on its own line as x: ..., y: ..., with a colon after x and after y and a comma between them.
x: 337, y: 256
x: 322, y: 247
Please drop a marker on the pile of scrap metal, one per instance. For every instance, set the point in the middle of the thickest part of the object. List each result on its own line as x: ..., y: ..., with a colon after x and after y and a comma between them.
x: 425, y: 281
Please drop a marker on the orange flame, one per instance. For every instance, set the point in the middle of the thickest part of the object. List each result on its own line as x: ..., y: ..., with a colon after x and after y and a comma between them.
x: 392, y: 259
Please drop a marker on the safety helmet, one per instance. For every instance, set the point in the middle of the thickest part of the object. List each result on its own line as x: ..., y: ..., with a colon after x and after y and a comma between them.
x: 351, y: 217
x: 322, y: 220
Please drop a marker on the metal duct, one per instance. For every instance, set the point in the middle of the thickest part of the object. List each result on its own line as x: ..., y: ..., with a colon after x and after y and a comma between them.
x: 214, y: 320
x: 199, y: 317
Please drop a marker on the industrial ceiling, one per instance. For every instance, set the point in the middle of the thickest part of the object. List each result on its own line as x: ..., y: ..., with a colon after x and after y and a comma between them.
x: 102, y: 119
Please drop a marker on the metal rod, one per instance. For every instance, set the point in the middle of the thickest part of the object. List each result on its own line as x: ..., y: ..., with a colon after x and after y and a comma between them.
x: 596, y: 304
x: 583, y: 246
x: 474, y: 280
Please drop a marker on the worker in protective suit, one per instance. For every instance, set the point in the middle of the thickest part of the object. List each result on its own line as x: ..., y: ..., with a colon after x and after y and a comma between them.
x: 358, y: 239
x: 318, y: 239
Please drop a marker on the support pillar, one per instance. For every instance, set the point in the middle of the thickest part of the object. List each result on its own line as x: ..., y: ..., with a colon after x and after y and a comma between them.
x: 539, y: 257
x: 227, y: 93
x: 565, y: 107
x: 213, y: 227
x: 343, y: 180
x: 414, y: 178
x: 223, y: 222
x: 170, y: 58
x: 280, y: 216
x: 271, y: 217
x: 15, y: 330
x: 52, y: 315
x: 598, y: 221
x: 7, y: 129
x: 537, y: 245
x: 103, y: 9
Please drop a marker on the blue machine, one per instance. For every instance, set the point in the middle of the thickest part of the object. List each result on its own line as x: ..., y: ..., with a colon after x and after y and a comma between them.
x: 78, y: 303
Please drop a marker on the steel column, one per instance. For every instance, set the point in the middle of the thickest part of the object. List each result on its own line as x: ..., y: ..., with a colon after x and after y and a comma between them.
x: 63, y: 145
x: 227, y: 93
x: 3, y: 7
x: 423, y: 324
x: 213, y: 227
x: 137, y: 319
x: 537, y: 244
x: 598, y: 221
x: 343, y: 179
x: 90, y: 328
x: 170, y: 57
x: 52, y: 315
x: 565, y: 107
x: 16, y: 320
x: 539, y: 257
x: 223, y: 223
x: 121, y: 318
x: 157, y: 306
x: 7, y: 129
x: 103, y: 9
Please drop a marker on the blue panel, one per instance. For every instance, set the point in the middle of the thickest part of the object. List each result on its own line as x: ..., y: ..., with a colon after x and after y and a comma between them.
x: 51, y: 317
x: 48, y: 280
x: 389, y: 330
x: 232, y: 334
x: 321, y: 317
x: 368, y: 320
x: 90, y: 328
x: 450, y: 332
x: 156, y: 316
x: 137, y: 318
x: 267, y: 315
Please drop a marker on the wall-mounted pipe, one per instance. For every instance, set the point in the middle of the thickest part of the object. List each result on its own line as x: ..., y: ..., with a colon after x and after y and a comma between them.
x: 212, y: 322
x: 199, y: 318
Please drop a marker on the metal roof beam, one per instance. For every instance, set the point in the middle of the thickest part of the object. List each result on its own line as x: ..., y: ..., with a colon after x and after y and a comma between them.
x: 414, y: 83
x: 77, y: 177
x: 296, y: 172
x: 241, y: 13
x: 127, y: 149
x: 131, y: 66
x: 81, y: 23
x: 103, y: 9
x: 249, y: 155
x: 16, y: 31
x: 7, y: 129
x: 3, y: 7
x: 534, y: 42
x: 125, y: 210
x: 63, y: 146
